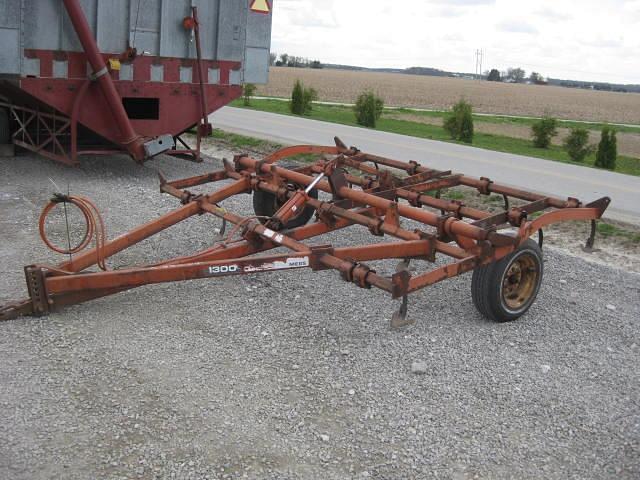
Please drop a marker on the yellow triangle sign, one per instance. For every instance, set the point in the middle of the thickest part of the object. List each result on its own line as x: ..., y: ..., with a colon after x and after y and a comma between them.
x: 260, y: 6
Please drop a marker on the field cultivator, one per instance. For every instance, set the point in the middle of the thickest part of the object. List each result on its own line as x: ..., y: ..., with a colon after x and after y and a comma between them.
x: 368, y: 191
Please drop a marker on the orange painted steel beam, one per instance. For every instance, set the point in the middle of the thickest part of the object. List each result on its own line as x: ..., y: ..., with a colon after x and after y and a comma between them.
x: 458, y: 268
x: 561, y: 216
x: 402, y: 192
x: 299, y: 150
x: 89, y: 258
x: 129, y: 278
x: 407, y: 249
x: 458, y: 227
x: 479, y: 184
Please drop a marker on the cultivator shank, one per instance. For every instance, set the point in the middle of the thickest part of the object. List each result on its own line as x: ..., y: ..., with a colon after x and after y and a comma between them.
x: 379, y: 194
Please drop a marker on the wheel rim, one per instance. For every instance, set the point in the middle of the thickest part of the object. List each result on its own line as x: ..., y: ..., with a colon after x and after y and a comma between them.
x: 520, y: 281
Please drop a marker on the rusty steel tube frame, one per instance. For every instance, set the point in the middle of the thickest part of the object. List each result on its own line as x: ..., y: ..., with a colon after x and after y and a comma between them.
x: 477, y: 244
x: 417, y: 197
x: 456, y: 226
x: 133, y: 142
x: 482, y: 184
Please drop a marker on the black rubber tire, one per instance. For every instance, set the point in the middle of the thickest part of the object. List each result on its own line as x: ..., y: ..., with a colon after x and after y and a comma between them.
x: 5, y: 132
x: 487, y: 281
x: 266, y: 204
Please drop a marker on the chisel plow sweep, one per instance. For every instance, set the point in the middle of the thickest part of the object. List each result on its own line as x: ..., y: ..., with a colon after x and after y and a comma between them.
x: 365, y: 190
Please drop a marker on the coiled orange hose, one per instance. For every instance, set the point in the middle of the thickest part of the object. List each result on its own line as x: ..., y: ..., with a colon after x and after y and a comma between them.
x: 94, y: 226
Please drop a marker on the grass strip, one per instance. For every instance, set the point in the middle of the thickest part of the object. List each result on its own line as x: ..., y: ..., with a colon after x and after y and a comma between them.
x: 344, y: 116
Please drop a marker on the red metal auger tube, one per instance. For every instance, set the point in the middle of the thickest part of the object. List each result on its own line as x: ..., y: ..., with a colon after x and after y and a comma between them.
x: 133, y: 142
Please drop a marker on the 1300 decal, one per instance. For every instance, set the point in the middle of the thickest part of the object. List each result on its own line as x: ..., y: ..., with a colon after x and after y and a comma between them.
x: 223, y: 269
x: 294, y: 262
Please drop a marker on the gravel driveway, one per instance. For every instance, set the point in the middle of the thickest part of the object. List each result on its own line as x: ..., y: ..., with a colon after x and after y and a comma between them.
x: 297, y: 375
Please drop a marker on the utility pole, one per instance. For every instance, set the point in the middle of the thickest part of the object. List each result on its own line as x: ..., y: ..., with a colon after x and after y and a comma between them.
x: 476, y: 70
x: 479, y: 61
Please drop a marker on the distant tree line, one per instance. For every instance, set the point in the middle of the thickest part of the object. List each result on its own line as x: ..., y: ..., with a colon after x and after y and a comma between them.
x: 511, y: 75
x: 518, y: 75
x: 605, y: 87
x: 286, y: 60
x: 515, y: 75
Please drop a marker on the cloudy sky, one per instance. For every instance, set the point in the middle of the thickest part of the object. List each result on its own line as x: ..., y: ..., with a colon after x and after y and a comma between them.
x: 596, y: 40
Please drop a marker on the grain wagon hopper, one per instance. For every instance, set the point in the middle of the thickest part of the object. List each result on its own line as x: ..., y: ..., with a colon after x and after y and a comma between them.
x: 98, y: 76
x: 387, y: 198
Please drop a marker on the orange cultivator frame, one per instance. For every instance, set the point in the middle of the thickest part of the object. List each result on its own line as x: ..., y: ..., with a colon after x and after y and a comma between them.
x: 372, y: 192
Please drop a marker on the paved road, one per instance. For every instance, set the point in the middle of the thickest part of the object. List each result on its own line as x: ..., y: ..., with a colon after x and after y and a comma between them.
x: 520, y: 171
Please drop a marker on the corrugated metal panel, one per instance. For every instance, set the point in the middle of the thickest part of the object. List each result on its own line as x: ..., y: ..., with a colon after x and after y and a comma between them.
x: 41, y: 24
x: 10, y: 17
x: 174, y: 40
x: 70, y: 40
x: 258, y: 27
x: 126, y: 71
x: 258, y: 43
x: 10, y: 50
x: 235, y: 77
x: 229, y: 31
x: 208, y: 15
x: 144, y: 25
x: 10, y: 36
x: 157, y: 73
x: 60, y: 69
x: 214, y: 75
x: 113, y: 25
x: 186, y: 74
x: 256, y: 65
x: 31, y: 67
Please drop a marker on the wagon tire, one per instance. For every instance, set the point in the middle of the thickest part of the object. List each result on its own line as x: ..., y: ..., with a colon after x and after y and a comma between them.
x: 5, y: 132
x: 503, y: 291
x: 266, y: 204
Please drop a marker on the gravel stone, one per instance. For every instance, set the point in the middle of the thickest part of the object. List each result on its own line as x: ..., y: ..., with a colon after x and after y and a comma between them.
x: 419, y: 368
x: 188, y: 364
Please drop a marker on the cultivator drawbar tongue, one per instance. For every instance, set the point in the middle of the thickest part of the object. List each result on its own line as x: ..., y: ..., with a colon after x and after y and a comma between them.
x: 368, y: 191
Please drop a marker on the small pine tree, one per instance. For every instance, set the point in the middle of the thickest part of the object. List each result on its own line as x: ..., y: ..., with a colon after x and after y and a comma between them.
x: 310, y: 96
x: 543, y: 131
x: 577, y: 144
x: 302, y: 99
x: 460, y: 123
x: 607, y: 149
x: 297, y: 98
x: 368, y: 109
x: 248, y: 90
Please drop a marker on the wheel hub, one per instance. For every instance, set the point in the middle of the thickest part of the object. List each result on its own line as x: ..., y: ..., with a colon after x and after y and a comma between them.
x: 520, y: 281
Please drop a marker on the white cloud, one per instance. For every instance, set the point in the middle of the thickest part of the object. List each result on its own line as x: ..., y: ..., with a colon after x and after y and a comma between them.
x: 592, y: 39
x: 516, y: 26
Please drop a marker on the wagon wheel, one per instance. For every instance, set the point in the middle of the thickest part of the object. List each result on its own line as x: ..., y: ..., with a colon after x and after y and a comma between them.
x: 503, y: 291
x: 266, y: 204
